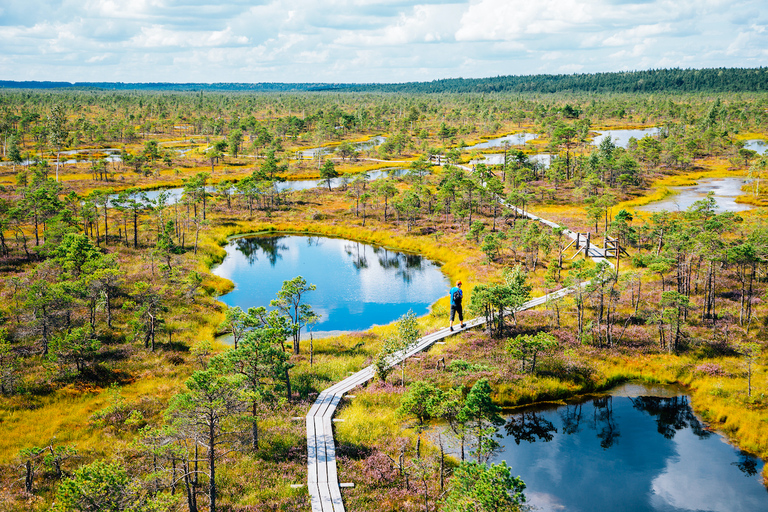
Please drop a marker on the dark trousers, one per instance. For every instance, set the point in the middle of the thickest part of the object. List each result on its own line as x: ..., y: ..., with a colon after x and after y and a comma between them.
x: 457, y: 309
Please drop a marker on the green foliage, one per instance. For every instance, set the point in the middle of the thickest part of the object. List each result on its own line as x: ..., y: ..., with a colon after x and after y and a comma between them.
x: 527, y: 347
x: 78, y: 346
x: 492, y: 244
x: 476, y: 231
x: 147, y: 306
x: 74, y: 252
x: 106, y: 487
x: 462, y: 367
x: 479, y: 488
x: 262, y: 365
x: 328, y: 172
x: 495, y: 300
x: 408, y: 333
x: 96, y: 487
x: 290, y: 302
x: 208, y: 414
x: 421, y: 400
x: 8, y: 365
x: 481, y: 415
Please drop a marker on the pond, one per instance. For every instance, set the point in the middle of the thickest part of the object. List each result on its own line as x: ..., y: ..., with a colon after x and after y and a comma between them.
x: 174, y: 194
x: 758, y: 145
x: 541, y: 159
x: 327, y: 150
x: 80, y: 156
x: 358, y: 285
x: 513, y: 139
x: 636, y: 449
x: 724, y: 190
x: 621, y: 137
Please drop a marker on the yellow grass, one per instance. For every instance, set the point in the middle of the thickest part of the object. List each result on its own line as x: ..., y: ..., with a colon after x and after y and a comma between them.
x: 62, y: 417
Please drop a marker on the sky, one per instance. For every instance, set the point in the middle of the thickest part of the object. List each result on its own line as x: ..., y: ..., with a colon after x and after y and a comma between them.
x: 364, y: 41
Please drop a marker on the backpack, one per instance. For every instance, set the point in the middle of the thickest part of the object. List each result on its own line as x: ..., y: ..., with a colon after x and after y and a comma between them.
x: 457, y: 297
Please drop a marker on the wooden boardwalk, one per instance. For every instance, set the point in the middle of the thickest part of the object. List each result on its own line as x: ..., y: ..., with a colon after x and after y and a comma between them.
x: 322, y: 478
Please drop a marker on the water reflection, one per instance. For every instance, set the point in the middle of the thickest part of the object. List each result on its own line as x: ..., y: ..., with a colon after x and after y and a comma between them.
x: 620, y: 138
x: 515, y: 138
x: 604, y: 422
x: 757, y: 145
x: 633, y: 450
x: 252, y: 247
x: 747, y: 464
x: 175, y: 194
x: 358, y: 285
x: 328, y: 150
x: 358, y: 257
x: 530, y: 426
x: 672, y: 414
x: 724, y: 190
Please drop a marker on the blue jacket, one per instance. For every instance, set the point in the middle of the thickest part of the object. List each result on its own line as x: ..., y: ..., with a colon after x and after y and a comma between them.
x: 453, y: 290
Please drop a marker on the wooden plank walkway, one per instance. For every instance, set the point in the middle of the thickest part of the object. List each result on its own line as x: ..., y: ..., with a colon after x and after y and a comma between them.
x: 322, y: 474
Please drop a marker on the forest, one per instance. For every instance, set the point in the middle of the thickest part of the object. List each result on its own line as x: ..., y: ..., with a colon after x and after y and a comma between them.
x: 664, y: 81
x: 119, y: 390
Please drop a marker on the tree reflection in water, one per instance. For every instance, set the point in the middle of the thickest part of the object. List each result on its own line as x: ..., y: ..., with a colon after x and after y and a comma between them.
x: 271, y: 246
x: 407, y: 265
x: 387, y: 259
x: 604, y: 423
x: 359, y: 260
x: 529, y: 426
x: 571, y: 417
x: 605, y: 456
x: 672, y: 414
x: 747, y: 464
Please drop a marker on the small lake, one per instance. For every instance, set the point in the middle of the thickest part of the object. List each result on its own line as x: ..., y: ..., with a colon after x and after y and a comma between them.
x: 80, y: 156
x: 621, y: 137
x: 541, y: 159
x: 513, y: 139
x: 725, y: 191
x: 758, y: 145
x: 358, y: 285
x: 328, y: 150
x: 637, y: 449
x: 175, y: 194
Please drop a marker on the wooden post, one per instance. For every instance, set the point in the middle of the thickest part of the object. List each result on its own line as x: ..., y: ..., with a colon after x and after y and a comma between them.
x: 586, y: 247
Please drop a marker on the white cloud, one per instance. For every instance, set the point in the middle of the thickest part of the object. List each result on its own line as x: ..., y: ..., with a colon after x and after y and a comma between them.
x: 425, y: 23
x: 504, y: 20
x: 157, y: 36
x: 369, y: 40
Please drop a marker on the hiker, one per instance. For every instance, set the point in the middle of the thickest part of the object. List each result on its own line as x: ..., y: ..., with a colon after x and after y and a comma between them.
x: 456, y: 296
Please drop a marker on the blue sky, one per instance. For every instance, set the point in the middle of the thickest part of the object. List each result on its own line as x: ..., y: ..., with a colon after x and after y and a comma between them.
x: 370, y: 40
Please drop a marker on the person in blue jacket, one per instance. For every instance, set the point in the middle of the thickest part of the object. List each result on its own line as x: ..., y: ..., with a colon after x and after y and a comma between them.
x: 456, y: 297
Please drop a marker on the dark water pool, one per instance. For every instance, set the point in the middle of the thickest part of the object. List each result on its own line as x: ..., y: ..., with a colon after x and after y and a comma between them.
x: 637, y: 449
x: 358, y: 285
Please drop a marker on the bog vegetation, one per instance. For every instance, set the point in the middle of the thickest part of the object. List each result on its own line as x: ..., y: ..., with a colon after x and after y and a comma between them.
x: 116, y: 393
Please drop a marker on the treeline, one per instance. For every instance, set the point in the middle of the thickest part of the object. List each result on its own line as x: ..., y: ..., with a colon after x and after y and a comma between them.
x: 169, y: 86
x: 646, y: 81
